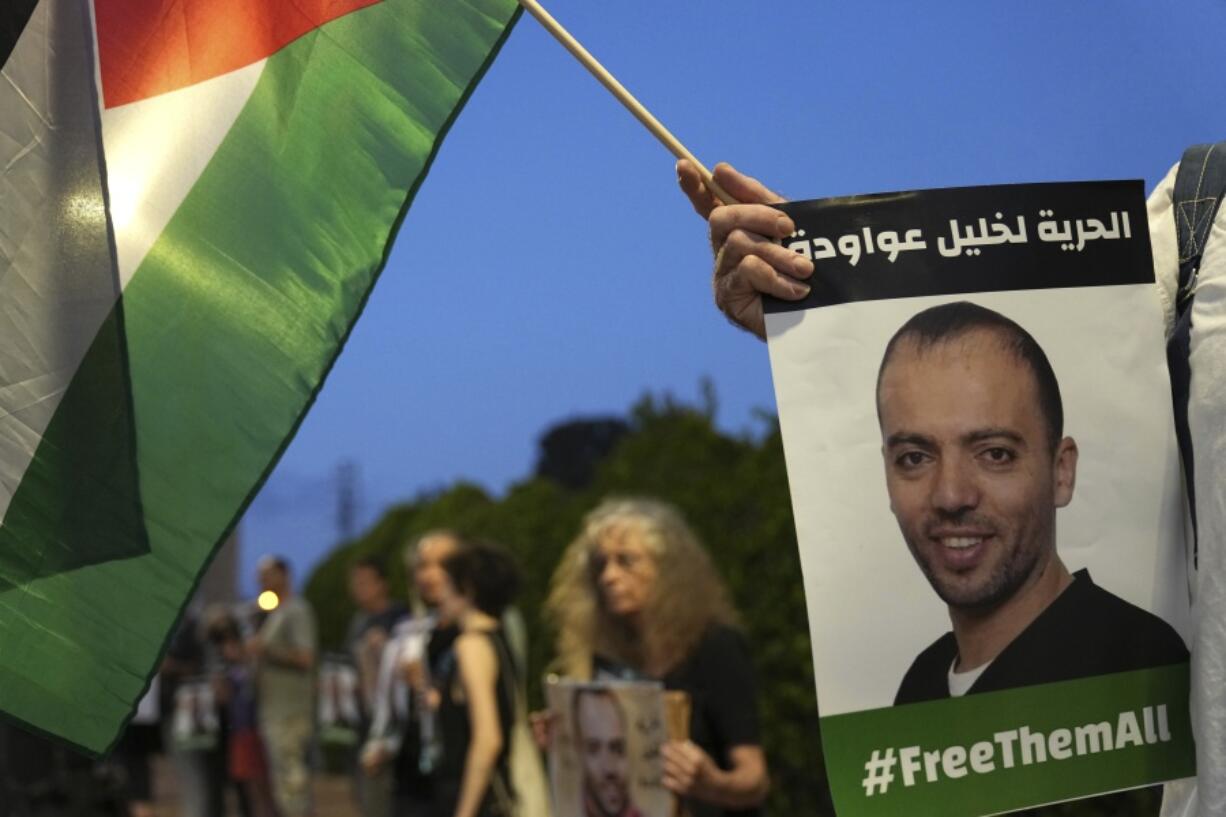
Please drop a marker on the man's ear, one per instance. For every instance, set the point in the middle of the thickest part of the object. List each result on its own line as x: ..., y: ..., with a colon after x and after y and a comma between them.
x: 1064, y: 471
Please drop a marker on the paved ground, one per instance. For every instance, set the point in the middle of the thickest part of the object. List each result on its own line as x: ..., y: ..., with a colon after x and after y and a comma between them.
x: 331, y: 795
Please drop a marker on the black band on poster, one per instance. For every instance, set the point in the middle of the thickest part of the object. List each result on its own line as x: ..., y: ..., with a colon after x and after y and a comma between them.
x: 970, y: 239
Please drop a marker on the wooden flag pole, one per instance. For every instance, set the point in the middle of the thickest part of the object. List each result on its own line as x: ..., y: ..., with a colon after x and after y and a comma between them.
x: 625, y: 97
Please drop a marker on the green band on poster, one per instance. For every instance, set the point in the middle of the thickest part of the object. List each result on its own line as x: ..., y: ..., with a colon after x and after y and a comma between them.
x: 1000, y: 751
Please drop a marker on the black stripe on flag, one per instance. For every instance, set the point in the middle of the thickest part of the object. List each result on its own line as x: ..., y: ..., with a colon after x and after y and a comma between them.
x: 78, y: 503
x: 14, y: 14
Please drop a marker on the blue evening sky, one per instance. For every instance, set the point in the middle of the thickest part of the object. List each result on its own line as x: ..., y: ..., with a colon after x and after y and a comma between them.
x: 550, y: 268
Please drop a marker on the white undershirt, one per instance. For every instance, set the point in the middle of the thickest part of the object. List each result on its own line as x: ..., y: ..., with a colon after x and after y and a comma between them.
x: 960, y: 682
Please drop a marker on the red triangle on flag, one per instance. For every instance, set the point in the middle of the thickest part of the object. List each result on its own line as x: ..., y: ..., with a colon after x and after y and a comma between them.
x: 149, y: 47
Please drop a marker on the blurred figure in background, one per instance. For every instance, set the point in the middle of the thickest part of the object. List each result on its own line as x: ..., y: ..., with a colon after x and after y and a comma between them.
x: 637, y: 597
x: 475, y: 688
x: 42, y: 777
x: 373, y: 621
x: 405, y: 732
x: 246, y: 759
x: 402, y: 736
x: 134, y: 753
x: 285, y: 649
x: 369, y: 630
x: 200, y: 773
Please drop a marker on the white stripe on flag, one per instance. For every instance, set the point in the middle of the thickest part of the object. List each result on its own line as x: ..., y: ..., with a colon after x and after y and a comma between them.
x: 156, y: 150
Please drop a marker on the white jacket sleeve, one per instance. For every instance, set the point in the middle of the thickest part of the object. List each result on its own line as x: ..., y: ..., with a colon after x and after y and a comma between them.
x: 1207, y: 427
x: 1179, y: 798
x: 1162, y: 237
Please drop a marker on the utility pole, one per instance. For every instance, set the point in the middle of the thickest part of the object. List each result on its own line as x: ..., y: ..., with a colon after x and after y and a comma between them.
x: 346, y: 500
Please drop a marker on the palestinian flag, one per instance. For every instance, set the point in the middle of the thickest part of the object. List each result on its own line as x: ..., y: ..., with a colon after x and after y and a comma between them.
x: 196, y: 197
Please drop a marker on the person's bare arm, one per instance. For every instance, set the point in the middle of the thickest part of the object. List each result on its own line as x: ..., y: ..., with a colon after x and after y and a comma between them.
x: 285, y: 655
x: 297, y: 657
x: 281, y: 655
x: 748, y: 261
x: 690, y: 772
x: 478, y: 667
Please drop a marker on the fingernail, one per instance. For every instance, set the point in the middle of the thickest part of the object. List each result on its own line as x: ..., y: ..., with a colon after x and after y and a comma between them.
x: 800, y: 290
x: 803, y: 266
x: 785, y: 227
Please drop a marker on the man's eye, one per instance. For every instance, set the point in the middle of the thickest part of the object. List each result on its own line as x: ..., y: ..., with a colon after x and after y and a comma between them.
x: 911, y: 459
x: 999, y: 456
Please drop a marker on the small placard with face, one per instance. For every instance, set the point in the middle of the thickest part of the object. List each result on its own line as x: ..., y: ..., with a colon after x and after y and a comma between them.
x: 605, y: 755
x: 195, y: 723
x: 977, y: 422
x: 339, y: 705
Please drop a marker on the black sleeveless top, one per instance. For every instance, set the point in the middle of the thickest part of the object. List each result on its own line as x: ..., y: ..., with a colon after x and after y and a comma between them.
x: 455, y: 731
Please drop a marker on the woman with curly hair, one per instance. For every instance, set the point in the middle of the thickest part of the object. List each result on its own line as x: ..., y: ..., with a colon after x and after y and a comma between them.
x: 637, y: 597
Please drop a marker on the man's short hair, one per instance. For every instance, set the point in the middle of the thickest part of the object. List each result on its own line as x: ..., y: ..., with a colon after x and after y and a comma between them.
x: 594, y: 692
x: 372, y: 563
x: 939, y: 324
x: 274, y: 561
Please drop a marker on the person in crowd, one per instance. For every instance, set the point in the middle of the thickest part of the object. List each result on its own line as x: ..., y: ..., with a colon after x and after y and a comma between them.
x: 134, y: 754
x: 475, y: 686
x: 247, y: 764
x: 285, y: 649
x: 374, y: 620
x: 200, y: 773
x: 637, y: 597
x: 43, y: 777
x: 402, y: 737
x: 376, y: 616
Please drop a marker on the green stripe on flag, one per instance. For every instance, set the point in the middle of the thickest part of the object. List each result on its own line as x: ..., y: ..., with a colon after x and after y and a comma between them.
x: 233, y: 320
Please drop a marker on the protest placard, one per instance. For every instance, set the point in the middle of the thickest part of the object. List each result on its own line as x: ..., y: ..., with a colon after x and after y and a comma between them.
x: 977, y: 424
x: 605, y: 755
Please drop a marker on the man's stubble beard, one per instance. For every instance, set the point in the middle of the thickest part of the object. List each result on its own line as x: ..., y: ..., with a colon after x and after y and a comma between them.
x: 1007, y: 577
x: 595, y: 807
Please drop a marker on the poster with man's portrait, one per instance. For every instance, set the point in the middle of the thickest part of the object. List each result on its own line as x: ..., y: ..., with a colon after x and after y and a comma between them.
x: 978, y: 427
x: 604, y: 759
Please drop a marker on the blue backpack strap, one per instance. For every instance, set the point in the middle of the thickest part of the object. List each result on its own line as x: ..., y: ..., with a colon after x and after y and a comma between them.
x: 1200, y: 186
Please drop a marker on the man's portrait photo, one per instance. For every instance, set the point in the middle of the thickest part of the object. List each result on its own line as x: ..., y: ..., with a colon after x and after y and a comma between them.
x: 603, y: 748
x: 604, y: 760
x: 977, y: 463
x: 988, y: 500
x: 986, y: 491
